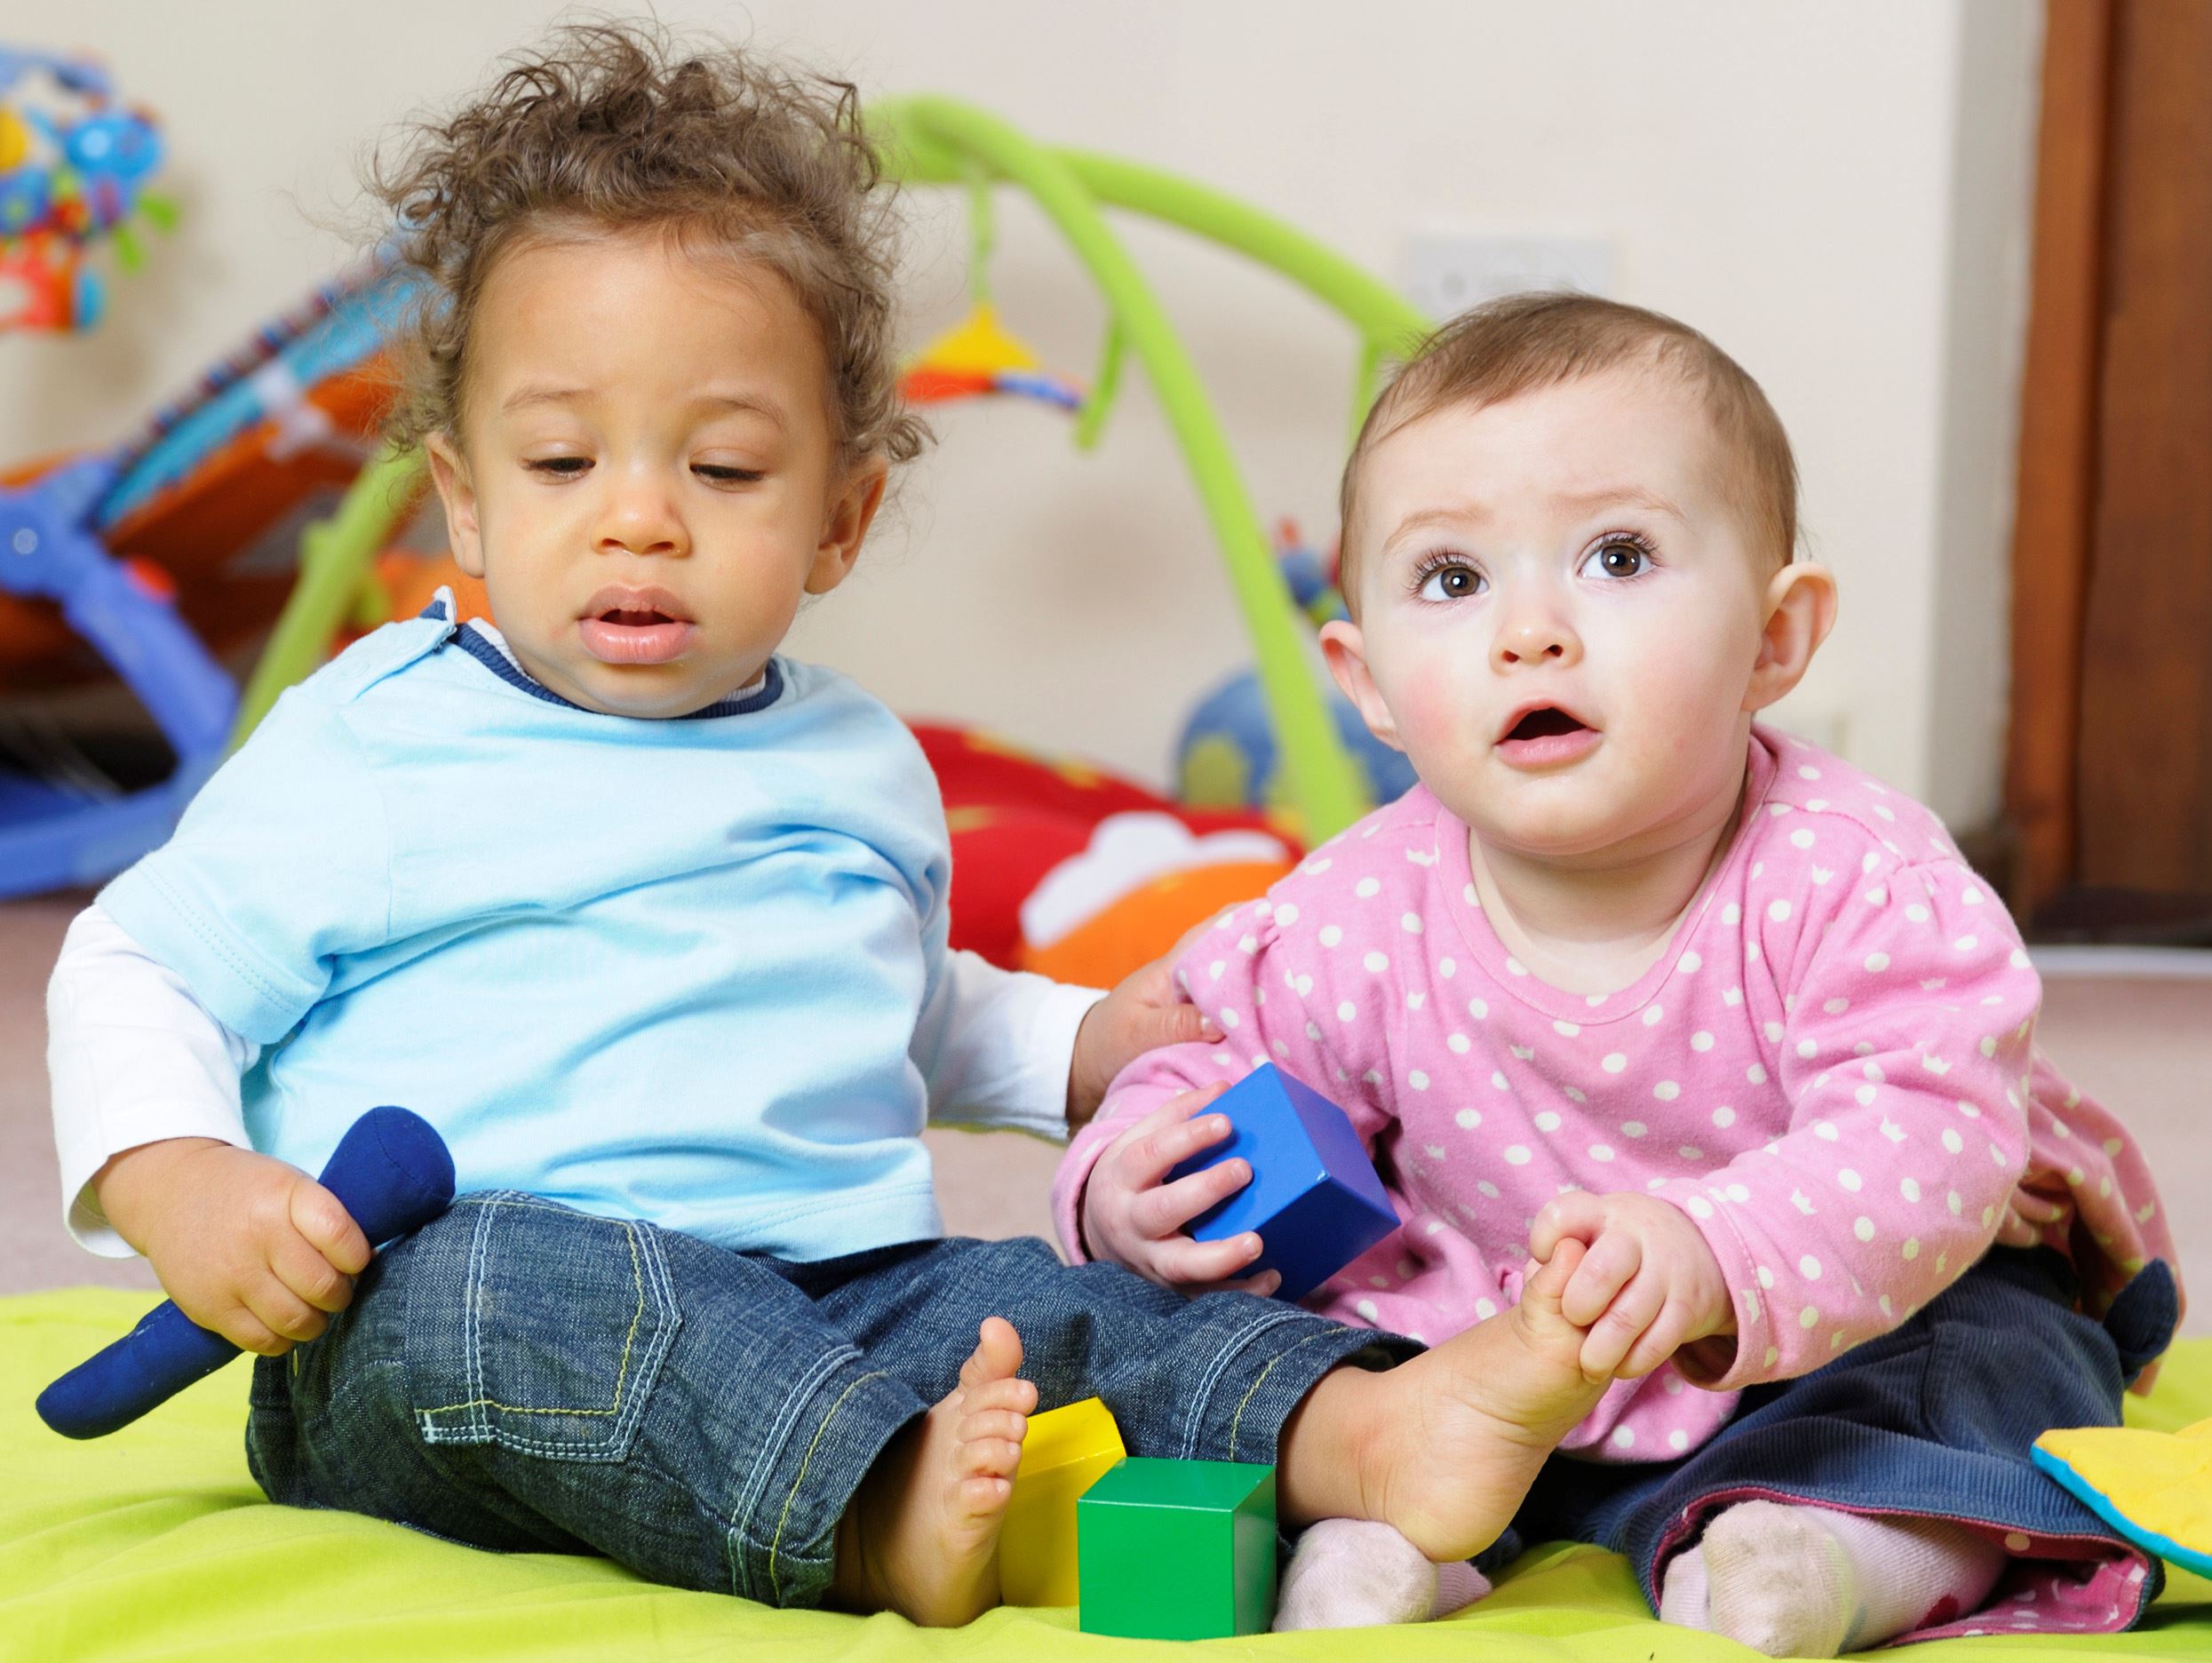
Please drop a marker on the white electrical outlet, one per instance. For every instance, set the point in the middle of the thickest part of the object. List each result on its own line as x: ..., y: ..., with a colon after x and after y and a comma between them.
x: 1448, y: 271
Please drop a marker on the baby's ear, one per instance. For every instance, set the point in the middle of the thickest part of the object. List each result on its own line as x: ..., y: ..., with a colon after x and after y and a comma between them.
x: 852, y: 510
x: 1800, y: 605
x: 1345, y: 651
x: 448, y: 471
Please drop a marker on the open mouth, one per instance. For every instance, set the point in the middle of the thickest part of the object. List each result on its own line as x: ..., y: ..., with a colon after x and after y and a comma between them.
x: 631, y: 617
x: 1547, y: 723
x: 635, y: 627
x: 1546, y: 735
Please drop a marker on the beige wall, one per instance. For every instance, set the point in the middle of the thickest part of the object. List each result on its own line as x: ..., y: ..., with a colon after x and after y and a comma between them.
x: 1836, y: 191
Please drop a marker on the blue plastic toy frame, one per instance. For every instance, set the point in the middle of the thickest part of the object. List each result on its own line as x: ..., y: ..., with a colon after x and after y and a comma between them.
x: 57, y: 833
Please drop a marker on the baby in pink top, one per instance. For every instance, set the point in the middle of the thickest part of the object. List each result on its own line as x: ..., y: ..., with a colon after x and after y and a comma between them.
x: 1632, y: 969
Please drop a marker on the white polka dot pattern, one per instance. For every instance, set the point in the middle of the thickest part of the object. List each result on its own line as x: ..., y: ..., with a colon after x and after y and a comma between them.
x: 1836, y: 1082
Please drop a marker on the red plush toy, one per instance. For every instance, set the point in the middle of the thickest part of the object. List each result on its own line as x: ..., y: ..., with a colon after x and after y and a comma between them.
x: 1064, y: 869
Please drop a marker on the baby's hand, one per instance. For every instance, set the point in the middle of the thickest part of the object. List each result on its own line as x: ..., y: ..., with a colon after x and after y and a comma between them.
x: 1648, y: 1285
x: 247, y: 1246
x: 1144, y: 1012
x: 1132, y: 1219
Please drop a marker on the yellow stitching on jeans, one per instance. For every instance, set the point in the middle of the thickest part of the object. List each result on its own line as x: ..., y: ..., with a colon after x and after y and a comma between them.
x: 622, y: 1375
x: 1260, y: 1380
x: 776, y: 1583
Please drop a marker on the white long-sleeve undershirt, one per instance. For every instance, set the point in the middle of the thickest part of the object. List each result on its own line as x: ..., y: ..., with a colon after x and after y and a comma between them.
x: 135, y: 1059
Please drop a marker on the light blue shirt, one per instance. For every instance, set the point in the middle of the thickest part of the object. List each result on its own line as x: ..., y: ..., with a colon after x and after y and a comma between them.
x: 690, y: 971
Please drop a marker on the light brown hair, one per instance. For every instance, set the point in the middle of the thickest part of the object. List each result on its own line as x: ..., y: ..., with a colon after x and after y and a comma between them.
x: 615, y: 128
x: 1523, y: 342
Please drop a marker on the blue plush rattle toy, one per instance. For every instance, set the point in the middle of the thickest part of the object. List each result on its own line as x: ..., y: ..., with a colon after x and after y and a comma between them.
x: 391, y: 1171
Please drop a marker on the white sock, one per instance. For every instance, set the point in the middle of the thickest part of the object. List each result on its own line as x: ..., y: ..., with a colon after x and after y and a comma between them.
x: 1811, y: 1582
x: 1357, y: 1573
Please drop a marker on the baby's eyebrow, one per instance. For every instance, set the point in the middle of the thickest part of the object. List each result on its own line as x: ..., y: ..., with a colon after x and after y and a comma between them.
x: 525, y: 396
x: 1473, y: 512
x: 744, y: 403
x: 522, y: 397
x: 1632, y: 496
x: 1434, y: 519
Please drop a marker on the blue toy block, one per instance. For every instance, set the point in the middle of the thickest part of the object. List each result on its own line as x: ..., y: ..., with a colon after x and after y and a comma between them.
x: 1313, y: 1197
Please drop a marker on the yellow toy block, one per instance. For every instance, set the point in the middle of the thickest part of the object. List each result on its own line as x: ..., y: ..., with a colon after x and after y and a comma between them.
x: 1067, y: 1450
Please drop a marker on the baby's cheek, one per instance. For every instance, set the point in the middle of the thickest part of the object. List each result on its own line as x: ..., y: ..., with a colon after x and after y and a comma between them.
x: 1433, y: 720
x: 1684, y: 715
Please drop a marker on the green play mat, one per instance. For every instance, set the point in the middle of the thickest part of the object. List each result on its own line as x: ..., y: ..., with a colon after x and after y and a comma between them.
x: 155, y: 1543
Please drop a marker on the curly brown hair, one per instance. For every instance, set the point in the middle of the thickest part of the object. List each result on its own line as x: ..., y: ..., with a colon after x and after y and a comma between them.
x: 616, y: 127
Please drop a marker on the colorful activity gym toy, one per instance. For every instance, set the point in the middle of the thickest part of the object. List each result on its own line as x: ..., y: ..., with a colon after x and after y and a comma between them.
x: 939, y: 141
x: 74, y: 167
x: 978, y: 355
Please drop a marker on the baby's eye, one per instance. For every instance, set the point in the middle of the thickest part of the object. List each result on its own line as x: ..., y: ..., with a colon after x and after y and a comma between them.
x: 721, y: 473
x: 1449, y: 582
x: 1617, y: 557
x: 561, y: 467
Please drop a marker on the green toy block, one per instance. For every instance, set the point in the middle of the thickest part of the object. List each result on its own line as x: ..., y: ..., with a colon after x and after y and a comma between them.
x: 1177, y: 1550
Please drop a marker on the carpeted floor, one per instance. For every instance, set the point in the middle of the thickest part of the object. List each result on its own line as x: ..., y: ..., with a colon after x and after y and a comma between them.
x: 2142, y: 1043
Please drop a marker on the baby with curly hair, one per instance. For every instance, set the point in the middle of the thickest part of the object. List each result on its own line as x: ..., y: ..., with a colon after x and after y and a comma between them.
x: 650, y: 920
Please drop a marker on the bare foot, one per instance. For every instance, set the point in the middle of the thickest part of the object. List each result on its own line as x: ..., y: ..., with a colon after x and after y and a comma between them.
x: 1445, y: 1446
x: 921, y: 1536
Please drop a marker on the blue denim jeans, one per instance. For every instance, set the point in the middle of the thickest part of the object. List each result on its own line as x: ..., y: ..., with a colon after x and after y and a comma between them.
x: 521, y: 1376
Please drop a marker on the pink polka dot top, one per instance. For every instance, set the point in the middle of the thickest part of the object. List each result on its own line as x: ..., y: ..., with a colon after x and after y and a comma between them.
x: 1832, y: 1069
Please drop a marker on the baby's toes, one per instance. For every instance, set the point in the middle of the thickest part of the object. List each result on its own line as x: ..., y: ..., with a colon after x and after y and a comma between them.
x: 1540, y: 1307
x: 1542, y: 1327
x: 987, y: 1458
x: 1004, y: 1425
x: 996, y: 1356
x: 981, y: 1496
x: 1014, y: 1396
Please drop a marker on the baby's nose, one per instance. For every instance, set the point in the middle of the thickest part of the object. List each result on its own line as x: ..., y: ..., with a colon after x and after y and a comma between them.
x: 1529, y: 639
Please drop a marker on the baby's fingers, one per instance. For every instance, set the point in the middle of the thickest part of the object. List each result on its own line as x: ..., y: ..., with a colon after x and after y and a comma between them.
x: 329, y: 1228
x: 288, y: 1319
x: 312, y: 1278
x: 1577, y: 1213
x: 1164, y: 1210
x: 1613, y: 1335
x: 238, y: 1324
x: 1184, y: 1263
x: 1665, y: 1337
x: 1170, y: 1135
x: 1612, y: 1264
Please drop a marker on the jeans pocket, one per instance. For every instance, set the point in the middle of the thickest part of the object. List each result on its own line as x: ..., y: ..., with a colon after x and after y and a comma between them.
x: 537, y: 1328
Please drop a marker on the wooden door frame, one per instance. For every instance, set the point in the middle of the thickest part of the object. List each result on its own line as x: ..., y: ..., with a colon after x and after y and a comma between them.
x: 2056, y: 497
